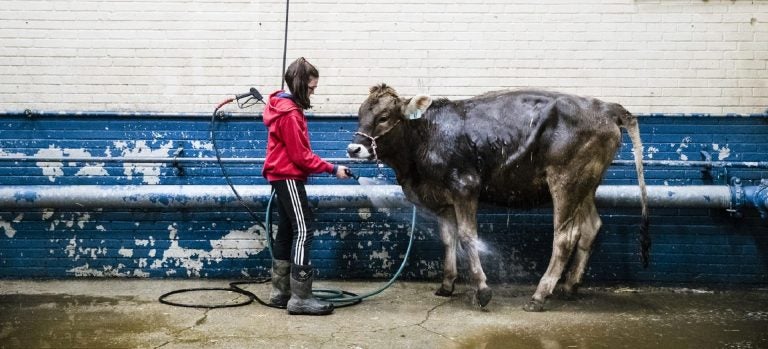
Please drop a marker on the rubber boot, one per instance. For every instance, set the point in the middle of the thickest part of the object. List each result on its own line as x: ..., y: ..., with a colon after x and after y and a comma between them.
x: 302, y: 301
x: 281, y: 283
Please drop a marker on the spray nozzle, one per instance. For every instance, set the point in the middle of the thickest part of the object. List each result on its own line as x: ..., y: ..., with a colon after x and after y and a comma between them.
x: 246, y: 100
x: 351, y: 174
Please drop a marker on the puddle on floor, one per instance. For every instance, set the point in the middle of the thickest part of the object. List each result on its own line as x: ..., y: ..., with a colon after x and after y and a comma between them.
x: 669, y: 321
x: 65, y: 321
x: 743, y: 335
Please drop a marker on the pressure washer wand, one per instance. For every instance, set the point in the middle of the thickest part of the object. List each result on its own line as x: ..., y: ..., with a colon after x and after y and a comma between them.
x: 352, y: 174
x: 252, y: 97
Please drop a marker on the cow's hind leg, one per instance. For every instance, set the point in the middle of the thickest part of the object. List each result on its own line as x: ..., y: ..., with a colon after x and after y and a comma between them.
x: 590, y: 225
x: 566, y: 236
x: 447, y: 224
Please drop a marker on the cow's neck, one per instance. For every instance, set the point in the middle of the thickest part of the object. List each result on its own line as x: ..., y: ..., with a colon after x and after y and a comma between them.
x: 404, y: 142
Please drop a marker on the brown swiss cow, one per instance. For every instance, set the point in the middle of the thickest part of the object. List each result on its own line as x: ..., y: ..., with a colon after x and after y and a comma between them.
x: 516, y: 149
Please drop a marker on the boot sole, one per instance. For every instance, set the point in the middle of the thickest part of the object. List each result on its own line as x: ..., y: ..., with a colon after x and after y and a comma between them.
x: 312, y: 314
x: 303, y: 311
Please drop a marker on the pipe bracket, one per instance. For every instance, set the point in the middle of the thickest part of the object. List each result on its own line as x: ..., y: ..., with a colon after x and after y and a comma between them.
x: 737, y: 198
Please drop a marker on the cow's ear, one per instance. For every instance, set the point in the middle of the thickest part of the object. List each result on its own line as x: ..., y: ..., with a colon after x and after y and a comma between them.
x: 417, y: 106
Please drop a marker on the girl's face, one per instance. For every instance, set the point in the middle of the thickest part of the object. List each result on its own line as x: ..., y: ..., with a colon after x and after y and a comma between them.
x: 312, y: 85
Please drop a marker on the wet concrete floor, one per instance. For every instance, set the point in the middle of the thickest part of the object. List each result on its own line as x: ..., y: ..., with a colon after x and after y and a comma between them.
x: 114, y: 313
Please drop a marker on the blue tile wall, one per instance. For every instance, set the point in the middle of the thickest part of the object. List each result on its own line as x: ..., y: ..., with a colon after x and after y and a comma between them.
x: 689, y: 245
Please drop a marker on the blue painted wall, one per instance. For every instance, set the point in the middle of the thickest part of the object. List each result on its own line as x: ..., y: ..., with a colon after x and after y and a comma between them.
x: 690, y: 245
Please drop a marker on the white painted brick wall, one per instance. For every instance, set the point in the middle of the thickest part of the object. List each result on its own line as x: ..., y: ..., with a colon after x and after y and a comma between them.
x: 184, y: 56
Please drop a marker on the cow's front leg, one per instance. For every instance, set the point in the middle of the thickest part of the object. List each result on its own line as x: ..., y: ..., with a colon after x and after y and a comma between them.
x: 466, y: 221
x: 447, y: 225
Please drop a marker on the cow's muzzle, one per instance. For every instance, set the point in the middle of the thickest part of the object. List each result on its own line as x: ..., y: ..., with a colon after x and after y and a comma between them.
x: 358, y: 151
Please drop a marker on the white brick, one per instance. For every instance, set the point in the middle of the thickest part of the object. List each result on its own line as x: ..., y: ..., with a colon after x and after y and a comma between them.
x: 182, y: 55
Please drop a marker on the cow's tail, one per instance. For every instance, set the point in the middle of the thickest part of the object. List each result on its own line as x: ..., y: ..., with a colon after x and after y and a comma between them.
x: 629, y: 122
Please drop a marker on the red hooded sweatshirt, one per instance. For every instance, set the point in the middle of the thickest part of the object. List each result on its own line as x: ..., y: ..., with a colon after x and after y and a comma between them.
x: 289, y: 155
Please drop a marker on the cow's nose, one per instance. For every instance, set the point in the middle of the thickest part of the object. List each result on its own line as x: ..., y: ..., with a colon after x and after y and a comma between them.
x: 354, y: 149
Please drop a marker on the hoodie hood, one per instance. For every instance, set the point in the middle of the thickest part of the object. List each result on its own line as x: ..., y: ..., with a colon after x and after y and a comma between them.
x: 280, y: 104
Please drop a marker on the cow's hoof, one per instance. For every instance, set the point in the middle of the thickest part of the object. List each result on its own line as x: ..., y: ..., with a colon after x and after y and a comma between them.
x: 484, y: 296
x: 444, y: 292
x: 534, y: 306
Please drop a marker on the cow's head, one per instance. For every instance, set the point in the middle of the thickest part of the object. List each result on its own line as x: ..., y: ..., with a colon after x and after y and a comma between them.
x: 381, y: 113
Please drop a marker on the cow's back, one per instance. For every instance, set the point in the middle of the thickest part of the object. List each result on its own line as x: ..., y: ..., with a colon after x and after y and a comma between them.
x: 479, y: 135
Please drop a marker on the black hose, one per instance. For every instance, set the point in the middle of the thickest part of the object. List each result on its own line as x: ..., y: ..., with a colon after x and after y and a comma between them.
x: 235, y: 286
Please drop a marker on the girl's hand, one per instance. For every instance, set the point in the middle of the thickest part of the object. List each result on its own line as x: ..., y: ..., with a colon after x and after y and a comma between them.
x: 341, y: 172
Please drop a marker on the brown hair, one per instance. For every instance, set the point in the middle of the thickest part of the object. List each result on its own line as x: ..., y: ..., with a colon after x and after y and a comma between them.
x: 297, y: 77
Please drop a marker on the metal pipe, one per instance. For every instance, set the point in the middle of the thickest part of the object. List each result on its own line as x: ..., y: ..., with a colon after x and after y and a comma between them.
x: 671, y: 163
x: 337, y: 196
x: 107, y: 113
x: 687, y: 163
x: 156, y: 159
x: 662, y: 196
x: 190, y: 196
x: 30, y: 113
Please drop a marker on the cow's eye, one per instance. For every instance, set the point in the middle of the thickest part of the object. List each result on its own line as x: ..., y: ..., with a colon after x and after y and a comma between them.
x: 383, y: 119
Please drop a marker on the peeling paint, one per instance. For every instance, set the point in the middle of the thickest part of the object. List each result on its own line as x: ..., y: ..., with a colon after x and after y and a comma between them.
x: 106, y: 271
x: 683, y: 145
x: 383, y: 255
x: 364, y: 213
x: 76, y: 218
x: 47, y: 213
x: 5, y: 153
x: 51, y: 169
x: 92, y: 170
x: 92, y: 252
x: 722, y: 153
x: 236, y: 244
x: 241, y: 243
x: 71, y: 247
x: 54, y: 169
x: 652, y: 150
x: 6, y: 226
x: 202, y: 145
x: 150, y: 172
x: 125, y: 252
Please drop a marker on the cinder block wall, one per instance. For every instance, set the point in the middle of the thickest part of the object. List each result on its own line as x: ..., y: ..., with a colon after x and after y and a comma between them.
x: 185, y: 56
x: 181, y: 55
x: 704, y: 246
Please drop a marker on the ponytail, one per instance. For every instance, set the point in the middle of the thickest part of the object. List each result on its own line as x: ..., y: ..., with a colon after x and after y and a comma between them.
x: 297, y: 77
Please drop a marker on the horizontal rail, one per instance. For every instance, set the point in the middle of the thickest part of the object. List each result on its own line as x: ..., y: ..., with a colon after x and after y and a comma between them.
x: 106, y: 113
x: 221, y: 115
x: 320, y: 196
x: 156, y: 160
x: 186, y: 160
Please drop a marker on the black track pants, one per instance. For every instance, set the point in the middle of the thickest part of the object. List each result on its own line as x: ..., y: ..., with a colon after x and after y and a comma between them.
x: 294, y: 234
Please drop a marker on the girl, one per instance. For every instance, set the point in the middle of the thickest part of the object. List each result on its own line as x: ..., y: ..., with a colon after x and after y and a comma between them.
x: 289, y: 161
